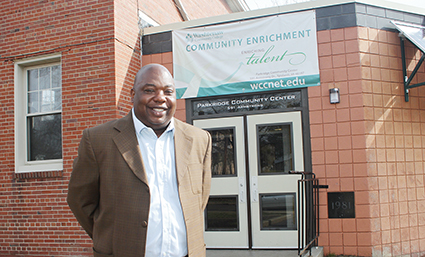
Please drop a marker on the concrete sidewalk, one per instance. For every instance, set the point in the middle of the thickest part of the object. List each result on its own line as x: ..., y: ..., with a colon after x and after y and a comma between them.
x: 316, y: 252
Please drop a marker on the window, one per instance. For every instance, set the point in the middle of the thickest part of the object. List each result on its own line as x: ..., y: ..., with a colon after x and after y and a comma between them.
x: 38, y: 114
x: 221, y: 214
x: 145, y: 21
x: 223, y: 152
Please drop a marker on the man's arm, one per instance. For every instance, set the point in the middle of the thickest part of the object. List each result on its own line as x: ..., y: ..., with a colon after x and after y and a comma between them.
x: 83, y: 188
x: 206, y: 185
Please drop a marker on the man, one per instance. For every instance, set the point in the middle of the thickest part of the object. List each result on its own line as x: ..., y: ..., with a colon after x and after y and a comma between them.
x: 140, y: 184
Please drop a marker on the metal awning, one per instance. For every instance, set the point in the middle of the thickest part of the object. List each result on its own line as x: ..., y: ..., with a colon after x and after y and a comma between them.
x: 416, y: 35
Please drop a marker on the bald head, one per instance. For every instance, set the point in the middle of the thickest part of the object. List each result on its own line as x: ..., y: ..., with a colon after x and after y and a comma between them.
x: 150, y: 68
x: 154, y: 97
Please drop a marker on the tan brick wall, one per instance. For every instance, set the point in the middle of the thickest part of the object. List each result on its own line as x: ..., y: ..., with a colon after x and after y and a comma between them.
x: 371, y: 143
x: 394, y: 139
x: 338, y: 141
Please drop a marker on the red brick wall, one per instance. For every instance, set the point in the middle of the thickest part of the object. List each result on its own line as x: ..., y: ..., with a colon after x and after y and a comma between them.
x: 205, y: 8
x: 162, y: 11
x: 100, y: 54
x: 34, y: 217
x: 127, y: 52
x: 165, y: 11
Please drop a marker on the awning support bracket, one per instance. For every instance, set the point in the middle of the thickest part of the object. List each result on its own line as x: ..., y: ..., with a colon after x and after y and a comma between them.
x: 407, y: 80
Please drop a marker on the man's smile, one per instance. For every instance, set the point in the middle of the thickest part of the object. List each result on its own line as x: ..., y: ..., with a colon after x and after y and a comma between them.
x: 158, y: 111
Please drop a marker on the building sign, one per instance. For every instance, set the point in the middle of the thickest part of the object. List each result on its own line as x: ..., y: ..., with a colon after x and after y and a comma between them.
x: 271, y: 53
x: 341, y: 205
x: 277, y: 100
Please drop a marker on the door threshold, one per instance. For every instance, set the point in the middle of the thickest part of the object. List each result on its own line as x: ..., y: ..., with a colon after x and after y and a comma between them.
x: 252, y: 253
x: 315, y: 252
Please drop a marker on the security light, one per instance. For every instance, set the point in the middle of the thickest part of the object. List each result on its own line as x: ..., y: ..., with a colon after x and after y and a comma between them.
x: 334, y: 95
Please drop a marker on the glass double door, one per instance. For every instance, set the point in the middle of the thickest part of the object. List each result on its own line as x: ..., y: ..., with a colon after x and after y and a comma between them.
x: 253, y: 197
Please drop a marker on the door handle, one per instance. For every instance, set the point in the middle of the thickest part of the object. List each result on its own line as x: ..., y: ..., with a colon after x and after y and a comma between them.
x: 254, y: 188
x: 242, y: 190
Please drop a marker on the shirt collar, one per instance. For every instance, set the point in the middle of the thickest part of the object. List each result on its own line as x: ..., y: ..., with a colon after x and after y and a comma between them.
x: 139, y: 126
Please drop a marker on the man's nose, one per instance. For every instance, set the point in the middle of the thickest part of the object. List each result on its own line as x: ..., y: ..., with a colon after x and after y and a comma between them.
x: 160, y: 96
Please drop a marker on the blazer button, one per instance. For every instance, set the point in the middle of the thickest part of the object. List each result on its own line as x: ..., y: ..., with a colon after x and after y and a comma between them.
x: 144, y: 224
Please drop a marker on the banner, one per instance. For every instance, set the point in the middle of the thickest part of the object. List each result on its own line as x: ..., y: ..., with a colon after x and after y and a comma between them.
x: 272, y: 53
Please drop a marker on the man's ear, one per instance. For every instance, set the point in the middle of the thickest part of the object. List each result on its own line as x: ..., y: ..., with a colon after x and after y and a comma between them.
x: 132, y: 95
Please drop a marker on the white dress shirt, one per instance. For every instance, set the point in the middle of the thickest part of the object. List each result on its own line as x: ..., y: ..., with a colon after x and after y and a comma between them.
x: 166, y: 227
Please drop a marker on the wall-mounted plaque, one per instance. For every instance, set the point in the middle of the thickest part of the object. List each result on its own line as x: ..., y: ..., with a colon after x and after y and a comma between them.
x: 341, y: 205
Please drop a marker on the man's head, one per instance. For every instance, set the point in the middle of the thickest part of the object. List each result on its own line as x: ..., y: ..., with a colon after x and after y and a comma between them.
x: 154, y: 97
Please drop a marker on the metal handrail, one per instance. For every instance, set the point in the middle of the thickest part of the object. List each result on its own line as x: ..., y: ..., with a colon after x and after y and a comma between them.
x: 308, y: 215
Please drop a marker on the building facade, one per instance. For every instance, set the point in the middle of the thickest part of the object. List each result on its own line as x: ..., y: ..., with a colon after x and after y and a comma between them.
x: 69, y: 65
x: 65, y: 66
x: 369, y: 144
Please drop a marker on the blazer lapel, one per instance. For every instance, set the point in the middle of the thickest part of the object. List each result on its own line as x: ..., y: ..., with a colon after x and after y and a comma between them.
x: 127, y: 144
x: 183, y: 146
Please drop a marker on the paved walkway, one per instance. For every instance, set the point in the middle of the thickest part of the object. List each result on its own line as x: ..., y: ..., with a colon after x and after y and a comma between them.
x: 251, y: 253
x: 316, y: 252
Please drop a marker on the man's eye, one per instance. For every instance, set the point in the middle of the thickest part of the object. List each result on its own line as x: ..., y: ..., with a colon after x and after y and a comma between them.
x: 169, y: 92
x: 148, y: 91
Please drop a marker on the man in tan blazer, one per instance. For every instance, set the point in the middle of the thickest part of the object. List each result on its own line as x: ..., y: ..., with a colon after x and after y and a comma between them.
x: 110, y: 192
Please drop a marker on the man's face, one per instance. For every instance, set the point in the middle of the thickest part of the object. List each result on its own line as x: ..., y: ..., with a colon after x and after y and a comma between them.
x: 154, y: 98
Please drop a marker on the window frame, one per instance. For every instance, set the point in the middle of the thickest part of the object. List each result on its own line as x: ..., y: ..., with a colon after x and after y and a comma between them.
x: 22, y: 165
x: 145, y: 21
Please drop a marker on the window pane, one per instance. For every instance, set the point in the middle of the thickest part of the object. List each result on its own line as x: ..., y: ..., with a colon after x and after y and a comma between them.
x: 44, y: 78
x: 275, y: 148
x: 46, y: 83
x: 56, y: 76
x: 32, y: 80
x: 223, y: 152
x: 45, y: 137
x: 278, y: 212
x: 47, y: 99
x: 57, y: 99
x: 32, y: 102
x: 222, y: 214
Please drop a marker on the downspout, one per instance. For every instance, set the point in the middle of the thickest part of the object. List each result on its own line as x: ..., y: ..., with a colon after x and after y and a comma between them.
x: 181, y: 10
x: 237, y: 5
x: 141, y: 33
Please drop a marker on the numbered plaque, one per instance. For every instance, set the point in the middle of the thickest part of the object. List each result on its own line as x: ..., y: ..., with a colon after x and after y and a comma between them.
x: 341, y: 205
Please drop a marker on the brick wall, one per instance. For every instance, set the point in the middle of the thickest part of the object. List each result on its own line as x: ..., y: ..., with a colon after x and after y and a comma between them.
x: 165, y: 11
x: 395, y: 147
x: 338, y: 141
x: 162, y: 11
x: 35, y: 219
x: 99, y: 43
x: 371, y: 143
x: 127, y: 52
x: 205, y: 8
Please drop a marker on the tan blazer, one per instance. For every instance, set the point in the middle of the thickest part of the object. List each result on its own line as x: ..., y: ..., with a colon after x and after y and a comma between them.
x: 109, y: 192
